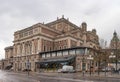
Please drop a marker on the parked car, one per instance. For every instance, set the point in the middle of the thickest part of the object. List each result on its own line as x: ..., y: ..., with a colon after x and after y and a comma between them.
x: 26, y: 70
x: 107, y: 69
x: 59, y: 70
x: 67, y: 69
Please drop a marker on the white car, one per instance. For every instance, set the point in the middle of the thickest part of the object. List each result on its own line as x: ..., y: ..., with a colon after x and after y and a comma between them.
x: 59, y: 70
x: 106, y: 69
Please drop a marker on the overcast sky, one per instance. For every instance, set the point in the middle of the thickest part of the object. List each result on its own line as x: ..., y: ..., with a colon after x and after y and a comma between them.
x: 103, y: 15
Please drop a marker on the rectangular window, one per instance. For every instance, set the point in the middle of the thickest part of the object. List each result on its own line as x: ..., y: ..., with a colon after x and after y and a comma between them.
x: 59, y: 53
x: 53, y: 54
x: 72, y: 52
x: 78, y: 66
x: 65, y: 53
x: 48, y: 55
x: 43, y: 55
x: 44, y: 48
x: 80, y: 51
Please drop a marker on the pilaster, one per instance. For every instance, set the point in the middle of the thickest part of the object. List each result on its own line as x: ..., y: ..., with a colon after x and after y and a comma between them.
x: 33, y: 47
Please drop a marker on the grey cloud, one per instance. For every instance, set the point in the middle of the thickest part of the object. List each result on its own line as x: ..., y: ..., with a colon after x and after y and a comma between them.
x: 19, y: 14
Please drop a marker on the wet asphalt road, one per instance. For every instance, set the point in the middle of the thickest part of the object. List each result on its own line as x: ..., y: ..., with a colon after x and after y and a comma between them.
x: 23, y: 77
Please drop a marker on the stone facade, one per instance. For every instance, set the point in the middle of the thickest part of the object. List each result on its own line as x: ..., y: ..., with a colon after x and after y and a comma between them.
x: 57, y: 35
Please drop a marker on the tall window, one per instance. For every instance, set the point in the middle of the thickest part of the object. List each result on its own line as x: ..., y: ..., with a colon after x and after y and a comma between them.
x: 60, y: 48
x: 50, y: 48
x: 53, y: 54
x: 21, y: 47
x: 43, y: 55
x: 36, y: 45
x: 30, y: 48
x: 48, y: 55
x: 59, y: 53
x: 72, y: 52
x: 44, y: 49
x: 80, y: 51
x: 65, y: 53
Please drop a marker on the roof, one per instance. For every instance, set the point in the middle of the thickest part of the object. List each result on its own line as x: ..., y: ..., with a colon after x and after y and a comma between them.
x: 63, y: 59
x: 62, y: 20
x: 9, y: 47
x: 64, y: 49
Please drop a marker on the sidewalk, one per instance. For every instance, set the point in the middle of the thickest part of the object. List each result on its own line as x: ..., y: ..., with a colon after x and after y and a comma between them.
x: 101, y: 75
x: 69, y: 75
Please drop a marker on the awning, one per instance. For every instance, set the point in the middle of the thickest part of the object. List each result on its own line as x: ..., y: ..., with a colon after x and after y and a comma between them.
x: 64, y: 59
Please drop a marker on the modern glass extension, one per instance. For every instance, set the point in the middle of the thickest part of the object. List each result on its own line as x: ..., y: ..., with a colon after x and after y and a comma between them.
x: 76, y: 57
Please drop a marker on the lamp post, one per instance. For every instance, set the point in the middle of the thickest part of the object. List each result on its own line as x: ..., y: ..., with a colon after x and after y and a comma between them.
x: 90, y: 58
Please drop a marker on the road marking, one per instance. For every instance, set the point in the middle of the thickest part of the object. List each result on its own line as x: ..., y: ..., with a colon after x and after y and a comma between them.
x: 67, y: 79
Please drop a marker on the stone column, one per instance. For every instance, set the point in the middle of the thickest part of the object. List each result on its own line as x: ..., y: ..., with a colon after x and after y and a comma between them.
x: 84, y: 38
x: 22, y: 66
x: 39, y: 45
x: 32, y: 65
x: 17, y: 49
x: 33, y: 51
x: 23, y: 50
x: 78, y: 43
x: 69, y: 43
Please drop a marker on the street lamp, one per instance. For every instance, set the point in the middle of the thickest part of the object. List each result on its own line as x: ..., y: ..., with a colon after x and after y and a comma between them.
x: 90, y: 58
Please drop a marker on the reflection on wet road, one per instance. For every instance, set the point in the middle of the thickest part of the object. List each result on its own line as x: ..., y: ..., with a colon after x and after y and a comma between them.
x: 41, y: 77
